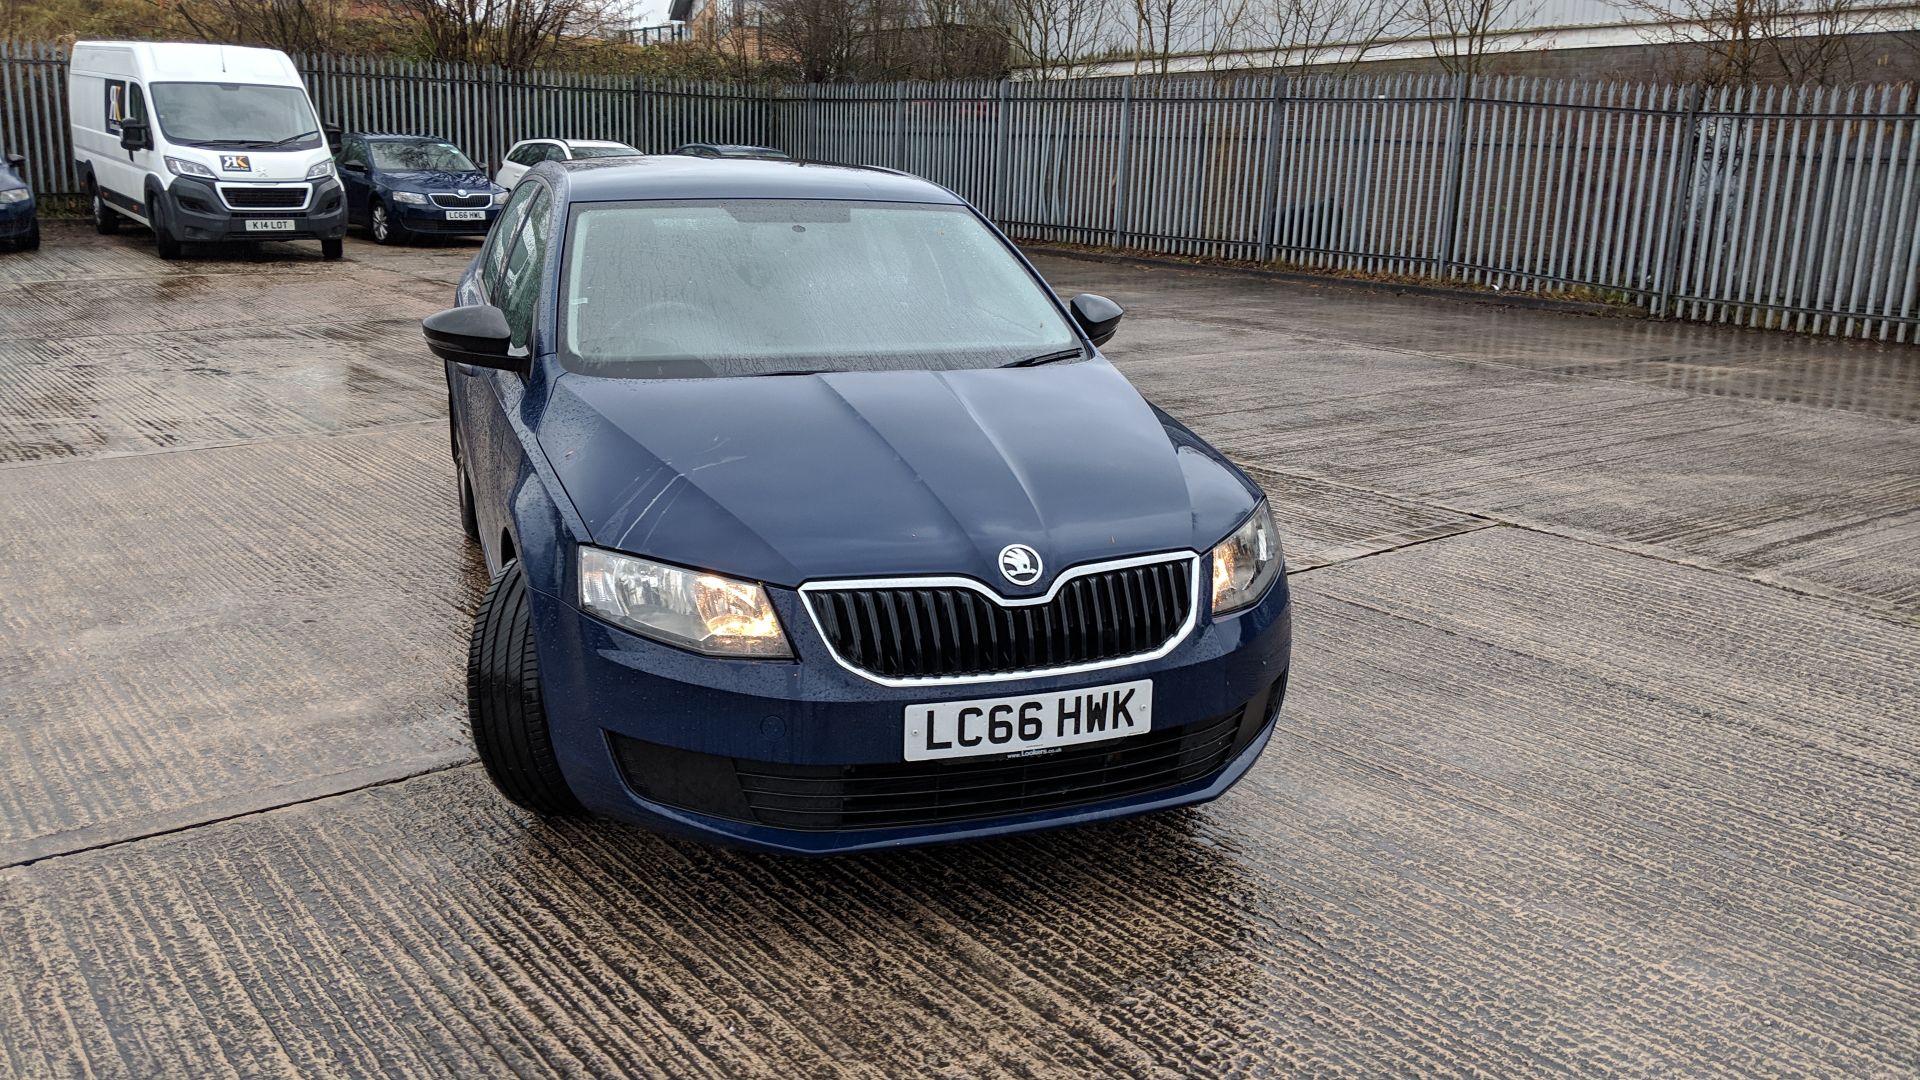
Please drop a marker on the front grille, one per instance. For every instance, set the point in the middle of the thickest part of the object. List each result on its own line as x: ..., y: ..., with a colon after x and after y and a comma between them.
x: 450, y: 201
x: 815, y: 798
x: 953, y: 631
x: 265, y: 198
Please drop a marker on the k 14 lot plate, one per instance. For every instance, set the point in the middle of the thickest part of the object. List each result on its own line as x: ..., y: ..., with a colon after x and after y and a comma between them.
x: 1028, y: 722
x: 269, y: 224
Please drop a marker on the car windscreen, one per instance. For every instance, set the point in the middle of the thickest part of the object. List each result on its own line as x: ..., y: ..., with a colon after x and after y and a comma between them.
x: 395, y: 156
x: 236, y: 116
x: 689, y: 289
x: 581, y: 153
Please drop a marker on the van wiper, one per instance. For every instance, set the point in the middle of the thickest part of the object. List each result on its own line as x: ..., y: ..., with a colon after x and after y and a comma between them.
x: 294, y: 138
x: 1048, y: 358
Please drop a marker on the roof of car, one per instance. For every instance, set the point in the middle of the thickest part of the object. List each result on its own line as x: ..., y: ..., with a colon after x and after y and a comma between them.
x: 676, y: 176
x: 398, y: 135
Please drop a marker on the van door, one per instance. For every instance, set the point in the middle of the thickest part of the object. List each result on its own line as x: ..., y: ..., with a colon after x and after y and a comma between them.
x: 122, y: 174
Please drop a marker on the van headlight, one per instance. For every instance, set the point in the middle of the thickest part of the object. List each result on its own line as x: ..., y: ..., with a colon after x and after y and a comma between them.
x: 692, y: 609
x: 412, y: 198
x: 183, y: 167
x: 1246, y: 562
x: 321, y: 170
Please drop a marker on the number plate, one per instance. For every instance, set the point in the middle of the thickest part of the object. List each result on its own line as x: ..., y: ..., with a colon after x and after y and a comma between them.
x: 269, y: 224
x: 466, y: 215
x: 1029, y: 722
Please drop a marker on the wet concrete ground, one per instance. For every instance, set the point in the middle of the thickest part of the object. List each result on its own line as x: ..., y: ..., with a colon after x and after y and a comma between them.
x: 1601, y: 754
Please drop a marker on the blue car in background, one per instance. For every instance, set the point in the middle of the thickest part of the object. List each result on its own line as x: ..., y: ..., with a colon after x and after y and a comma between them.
x: 19, y: 219
x: 818, y: 523
x: 402, y: 186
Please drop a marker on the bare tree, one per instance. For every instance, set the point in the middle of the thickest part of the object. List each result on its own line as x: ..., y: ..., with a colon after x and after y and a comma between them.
x: 1735, y: 41
x: 299, y: 26
x: 820, y: 38
x: 515, y: 34
x: 1463, y: 31
x: 1321, y: 33
x: 1162, y: 28
x: 1054, y: 35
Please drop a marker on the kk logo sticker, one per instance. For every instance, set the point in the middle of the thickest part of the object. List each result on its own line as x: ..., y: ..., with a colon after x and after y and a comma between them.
x: 235, y: 163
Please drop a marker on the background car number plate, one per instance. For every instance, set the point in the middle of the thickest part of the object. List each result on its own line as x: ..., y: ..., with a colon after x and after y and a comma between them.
x: 1013, y: 725
x: 270, y: 225
x: 466, y: 215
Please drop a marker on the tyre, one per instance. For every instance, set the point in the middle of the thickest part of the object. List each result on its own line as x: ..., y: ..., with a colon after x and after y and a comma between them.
x: 385, y: 230
x: 163, y: 242
x: 105, y: 221
x: 503, y: 701
x: 469, y: 522
x: 331, y: 250
x: 31, y: 241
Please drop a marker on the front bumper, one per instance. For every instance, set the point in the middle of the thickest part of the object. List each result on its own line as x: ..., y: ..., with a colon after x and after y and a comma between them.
x: 16, y: 219
x: 195, y: 212
x: 654, y: 735
x: 432, y: 220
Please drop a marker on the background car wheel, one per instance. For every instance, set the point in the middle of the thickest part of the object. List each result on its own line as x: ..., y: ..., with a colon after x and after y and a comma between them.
x: 163, y: 242
x: 30, y: 241
x: 385, y: 230
x: 105, y: 221
x: 331, y: 250
x: 503, y: 701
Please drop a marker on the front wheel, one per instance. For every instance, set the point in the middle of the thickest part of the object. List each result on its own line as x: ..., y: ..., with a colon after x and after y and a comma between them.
x: 331, y: 250
x: 504, y: 705
x: 31, y: 241
x: 164, y: 244
x: 385, y: 230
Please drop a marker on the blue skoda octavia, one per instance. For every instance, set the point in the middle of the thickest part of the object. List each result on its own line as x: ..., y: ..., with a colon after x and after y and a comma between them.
x: 19, y: 221
x: 403, y: 186
x: 818, y: 524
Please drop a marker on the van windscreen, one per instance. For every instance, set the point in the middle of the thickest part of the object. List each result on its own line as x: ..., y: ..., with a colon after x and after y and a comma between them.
x: 235, y: 116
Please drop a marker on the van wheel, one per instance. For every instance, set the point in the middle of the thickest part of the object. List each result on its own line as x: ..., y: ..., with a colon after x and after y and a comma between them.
x: 163, y: 242
x: 503, y: 701
x: 331, y: 250
x: 105, y: 221
x: 385, y: 230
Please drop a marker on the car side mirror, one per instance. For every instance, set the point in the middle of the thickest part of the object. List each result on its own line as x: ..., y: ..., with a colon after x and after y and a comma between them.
x: 17, y: 162
x: 135, y: 135
x: 476, y: 334
x: 353, y: 166
x: 332, y: 133
x: 1097, y: 315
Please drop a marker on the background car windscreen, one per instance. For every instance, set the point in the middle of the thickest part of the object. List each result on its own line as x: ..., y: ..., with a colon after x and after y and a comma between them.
x: 419, y: 157
x: 235, y: 115
x: 753, y: 287
x: 581, y: 153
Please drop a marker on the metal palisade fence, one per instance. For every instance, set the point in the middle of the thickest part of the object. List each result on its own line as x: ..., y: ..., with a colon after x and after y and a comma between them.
x: 1794, y: 207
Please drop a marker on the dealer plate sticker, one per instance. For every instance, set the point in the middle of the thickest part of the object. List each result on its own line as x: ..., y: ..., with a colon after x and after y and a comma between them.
x: 1028, y: 723
x: 269, y: 224
x: 466, y: 215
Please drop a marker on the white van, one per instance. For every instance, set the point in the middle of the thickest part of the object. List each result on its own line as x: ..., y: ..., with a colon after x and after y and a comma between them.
x: 201, y: 143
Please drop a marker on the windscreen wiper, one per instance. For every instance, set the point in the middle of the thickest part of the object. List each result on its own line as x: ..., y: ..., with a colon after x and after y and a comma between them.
x: 1048, y: 358
x: 294, y: 138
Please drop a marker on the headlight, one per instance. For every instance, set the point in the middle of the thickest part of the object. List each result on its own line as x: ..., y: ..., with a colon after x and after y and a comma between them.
x: 500, y: 197
x: 704, y: 612
x: 412, y: 197
x: 183, y: 167
x: 14, y: 195
x: 1245, y: 563
x: 321, y: 170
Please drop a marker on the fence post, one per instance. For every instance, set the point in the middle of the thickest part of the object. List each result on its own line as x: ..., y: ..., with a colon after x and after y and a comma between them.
x: 1679, y: 201
x: 1455, y: 169
x: 900, y: 126
x: 1123, y: 176
x: 1270, y: 213
x: 1002, y: 139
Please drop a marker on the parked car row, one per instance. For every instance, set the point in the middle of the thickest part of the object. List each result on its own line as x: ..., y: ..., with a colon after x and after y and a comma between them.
x: 203, y: 143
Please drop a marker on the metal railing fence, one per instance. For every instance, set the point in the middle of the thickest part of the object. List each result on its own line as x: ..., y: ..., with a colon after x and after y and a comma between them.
x: 1794, y: 208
